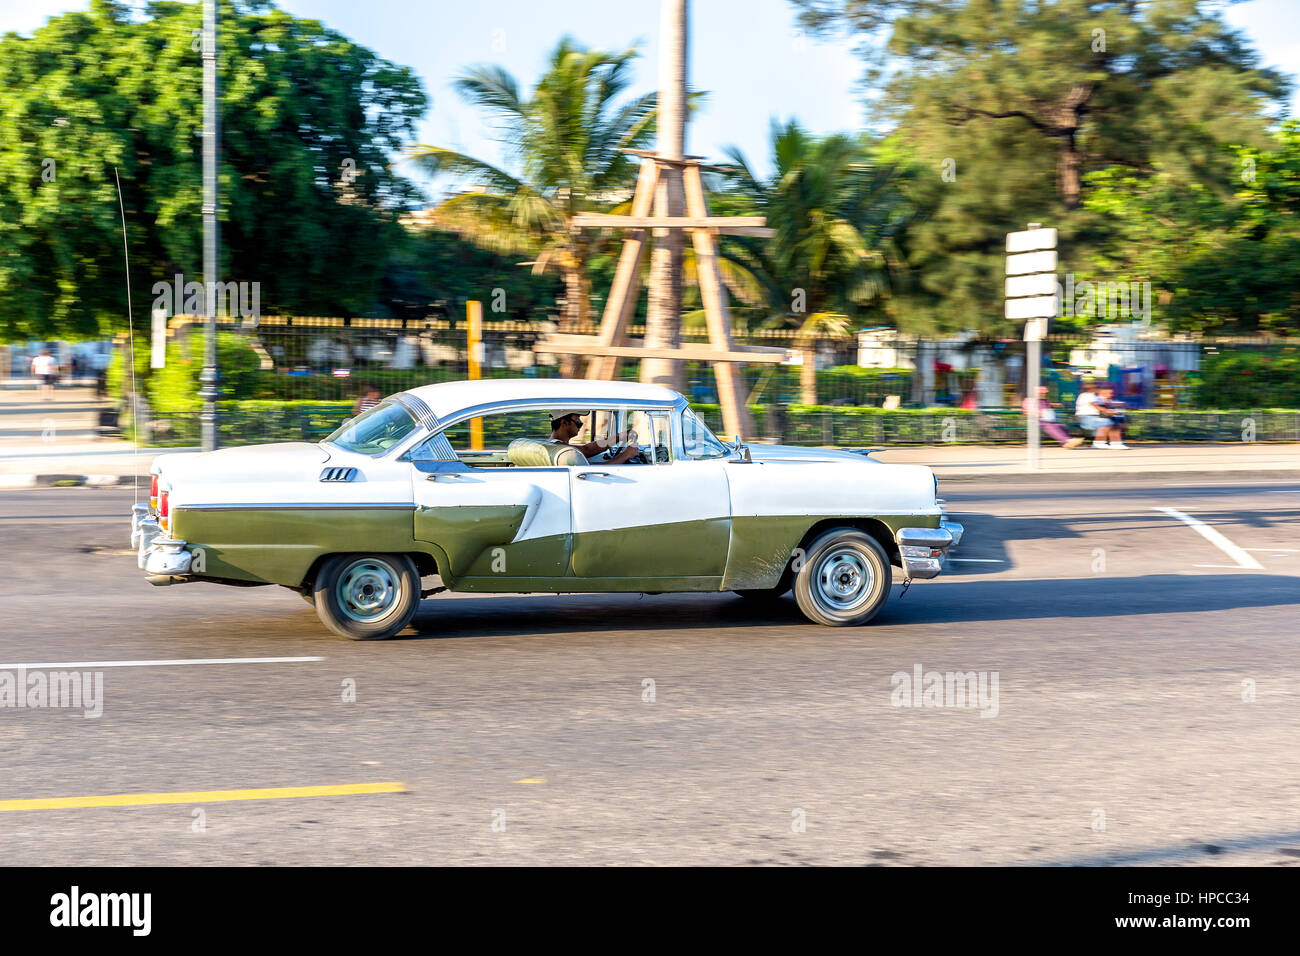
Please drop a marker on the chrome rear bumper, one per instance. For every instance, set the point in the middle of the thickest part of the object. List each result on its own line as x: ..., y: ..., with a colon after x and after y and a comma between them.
x: 155, y: 552
x: 922, y: 550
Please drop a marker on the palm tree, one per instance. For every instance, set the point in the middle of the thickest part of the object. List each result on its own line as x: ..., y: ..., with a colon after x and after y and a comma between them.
x: 836, y: 214
x: 566, y: 143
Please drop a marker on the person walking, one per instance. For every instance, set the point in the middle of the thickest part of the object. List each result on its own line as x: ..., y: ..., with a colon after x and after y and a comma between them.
x: 45, y: 367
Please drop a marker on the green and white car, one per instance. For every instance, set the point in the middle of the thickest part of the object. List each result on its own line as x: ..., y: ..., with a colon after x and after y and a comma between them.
x: 355, y: 523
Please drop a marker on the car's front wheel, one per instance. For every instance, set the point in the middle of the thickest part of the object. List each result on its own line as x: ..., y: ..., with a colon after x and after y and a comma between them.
x: 367, y: 597
x: 845, y: 578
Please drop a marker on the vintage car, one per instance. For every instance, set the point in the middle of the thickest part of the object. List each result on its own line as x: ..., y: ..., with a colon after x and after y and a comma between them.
x: 462, y: 480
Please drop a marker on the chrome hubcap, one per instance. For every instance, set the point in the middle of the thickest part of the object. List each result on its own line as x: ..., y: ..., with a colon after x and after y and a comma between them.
x: 844, y: 580
x: 367, y: 590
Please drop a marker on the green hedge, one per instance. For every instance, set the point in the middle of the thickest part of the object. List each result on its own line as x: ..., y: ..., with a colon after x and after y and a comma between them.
x: 251, y: 421
x: 1246, y: 379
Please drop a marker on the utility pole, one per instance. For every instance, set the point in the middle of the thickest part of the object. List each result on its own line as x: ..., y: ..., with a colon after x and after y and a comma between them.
x: 208, y: 390
x: 663, y: 326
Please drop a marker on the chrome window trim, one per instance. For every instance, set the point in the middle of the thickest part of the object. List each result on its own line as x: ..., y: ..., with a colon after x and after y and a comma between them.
x: 533, y: 404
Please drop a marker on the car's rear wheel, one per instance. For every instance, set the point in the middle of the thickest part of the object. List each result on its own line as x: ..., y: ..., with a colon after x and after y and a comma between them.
x: 367, y: 597
x: 844, y: 580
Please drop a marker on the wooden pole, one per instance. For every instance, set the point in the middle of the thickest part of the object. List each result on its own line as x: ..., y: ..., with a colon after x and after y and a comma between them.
x: 664, y: 312
x: 621, y: 304
x: 717, y: 314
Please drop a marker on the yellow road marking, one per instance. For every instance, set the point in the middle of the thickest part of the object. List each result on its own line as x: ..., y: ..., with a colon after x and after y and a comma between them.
x: 532, y: 780
x: 198, y: 796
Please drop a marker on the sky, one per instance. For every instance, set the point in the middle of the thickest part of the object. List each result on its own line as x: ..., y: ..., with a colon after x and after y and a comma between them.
x: 748, y: 55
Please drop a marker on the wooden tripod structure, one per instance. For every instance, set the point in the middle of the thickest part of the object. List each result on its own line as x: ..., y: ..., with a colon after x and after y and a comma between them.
x: 611, y: 344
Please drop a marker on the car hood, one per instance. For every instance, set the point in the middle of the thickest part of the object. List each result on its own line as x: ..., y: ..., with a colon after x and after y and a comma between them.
x: 805, y: 454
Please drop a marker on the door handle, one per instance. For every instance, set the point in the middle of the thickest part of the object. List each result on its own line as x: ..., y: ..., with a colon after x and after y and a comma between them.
x: 584, y: 475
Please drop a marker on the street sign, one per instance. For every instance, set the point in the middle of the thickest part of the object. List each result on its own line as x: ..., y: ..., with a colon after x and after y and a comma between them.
x: 1038, y: 283
x: 158, y: 328
x: 1038, y: 307
x: 1031, y: 240
x: 1027, y: 262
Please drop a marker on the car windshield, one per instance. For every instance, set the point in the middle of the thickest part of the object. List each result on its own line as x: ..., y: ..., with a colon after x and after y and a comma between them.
x: 697, y: 440
x: 375, y: 431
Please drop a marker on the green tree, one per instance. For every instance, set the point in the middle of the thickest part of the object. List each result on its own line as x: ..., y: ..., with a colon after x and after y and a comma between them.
x: 309, y: 121
x: 836, y: 212
x: 566, y: 145
x: 1012, y: 104
x: 1217, y: 263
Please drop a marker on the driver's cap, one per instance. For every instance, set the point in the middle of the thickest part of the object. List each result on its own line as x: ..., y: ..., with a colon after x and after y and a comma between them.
x: 559, y: 413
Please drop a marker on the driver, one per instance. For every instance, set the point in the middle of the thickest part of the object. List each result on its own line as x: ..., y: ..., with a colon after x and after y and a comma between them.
x: 567, y: 422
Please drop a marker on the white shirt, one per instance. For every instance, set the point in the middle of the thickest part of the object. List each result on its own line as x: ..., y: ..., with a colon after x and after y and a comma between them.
x: 1086, y: 404
x: 44, y: 365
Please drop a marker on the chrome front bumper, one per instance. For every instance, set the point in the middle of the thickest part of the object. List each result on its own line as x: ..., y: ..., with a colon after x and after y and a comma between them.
x: 923, y: 550
x: 156, y: 553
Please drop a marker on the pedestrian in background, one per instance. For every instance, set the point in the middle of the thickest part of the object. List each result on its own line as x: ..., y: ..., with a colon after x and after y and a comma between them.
x: 1047, y: 419
x: 46, y: 369
x: 370, y: 397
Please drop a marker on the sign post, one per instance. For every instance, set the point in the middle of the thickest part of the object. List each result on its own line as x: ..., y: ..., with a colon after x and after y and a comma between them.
x: 1030, y: 294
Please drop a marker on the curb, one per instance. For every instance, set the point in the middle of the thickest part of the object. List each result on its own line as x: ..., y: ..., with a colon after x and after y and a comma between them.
x: 1054, y: 477
x: 58, y: 481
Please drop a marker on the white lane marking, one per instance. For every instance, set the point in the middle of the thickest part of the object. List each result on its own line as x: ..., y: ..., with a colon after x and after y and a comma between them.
x: 979, y: 560
x: 1237, y: 554
x: 175, y: 663
x: 1288, y: 550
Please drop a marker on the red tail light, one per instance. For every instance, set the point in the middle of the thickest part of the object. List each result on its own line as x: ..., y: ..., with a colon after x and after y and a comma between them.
x: 153, y: 491
x: 163, y: 513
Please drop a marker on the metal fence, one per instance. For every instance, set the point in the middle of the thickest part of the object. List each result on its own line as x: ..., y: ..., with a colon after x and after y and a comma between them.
x: 296, y: 377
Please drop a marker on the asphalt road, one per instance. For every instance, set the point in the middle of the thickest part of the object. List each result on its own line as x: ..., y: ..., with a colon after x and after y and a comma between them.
x: 1123, y: 642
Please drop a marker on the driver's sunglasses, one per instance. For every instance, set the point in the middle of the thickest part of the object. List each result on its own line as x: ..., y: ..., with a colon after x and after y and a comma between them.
x: 574, y: 420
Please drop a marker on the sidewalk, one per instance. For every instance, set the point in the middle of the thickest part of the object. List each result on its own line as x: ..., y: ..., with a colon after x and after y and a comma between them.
x: 1280, y: 460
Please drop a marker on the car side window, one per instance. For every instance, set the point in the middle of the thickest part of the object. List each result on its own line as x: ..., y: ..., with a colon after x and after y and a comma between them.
x: 697, y: 440
x: 487, y: 445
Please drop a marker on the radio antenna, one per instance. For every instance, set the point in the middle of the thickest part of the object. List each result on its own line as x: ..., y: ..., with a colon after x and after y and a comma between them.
x: 130, y: 331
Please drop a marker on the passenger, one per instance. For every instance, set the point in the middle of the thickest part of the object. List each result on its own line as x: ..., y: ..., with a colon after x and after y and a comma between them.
x: 565, y: 425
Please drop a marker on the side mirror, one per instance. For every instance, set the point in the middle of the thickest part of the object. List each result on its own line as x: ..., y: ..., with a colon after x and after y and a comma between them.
x: 742, y: 451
